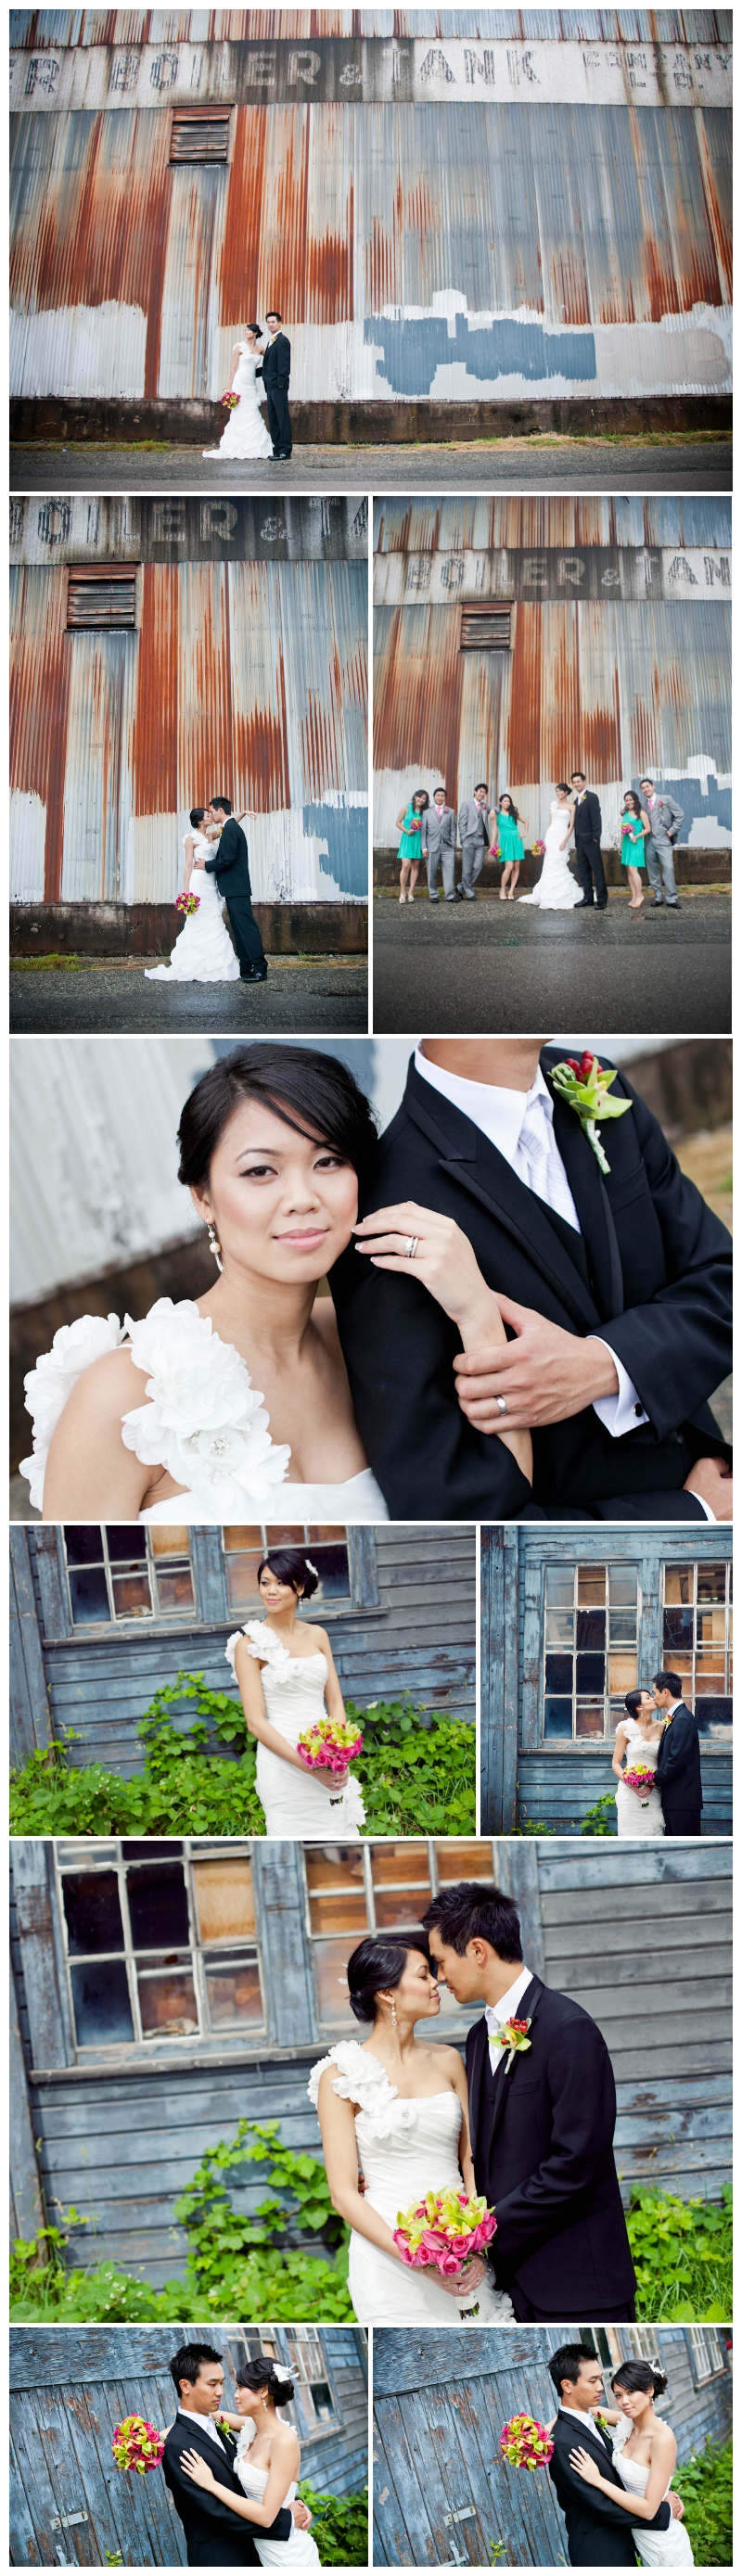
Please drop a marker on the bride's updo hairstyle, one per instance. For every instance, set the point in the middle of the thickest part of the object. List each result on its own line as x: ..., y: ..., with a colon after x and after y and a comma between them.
x: 196, y: 815
x: 561, y: 787
x: 314, y: 1094
x: 261, y: 2374
x: 633, y: 1702
x: 640, y: 2375
x: 255, y: 328
x: 290, y: 1565
x: 376, y: 1964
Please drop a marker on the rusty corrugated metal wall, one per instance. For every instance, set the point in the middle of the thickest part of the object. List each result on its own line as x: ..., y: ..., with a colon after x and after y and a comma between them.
x: 620, y: 656
x: 458, y: 219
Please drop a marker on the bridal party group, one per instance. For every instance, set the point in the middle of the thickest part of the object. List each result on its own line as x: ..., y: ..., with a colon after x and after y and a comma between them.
x: 431, y: 831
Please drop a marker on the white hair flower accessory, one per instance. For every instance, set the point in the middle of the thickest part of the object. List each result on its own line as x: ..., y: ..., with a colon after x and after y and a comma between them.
x: 282, y: 2377
x: 311, y: 1569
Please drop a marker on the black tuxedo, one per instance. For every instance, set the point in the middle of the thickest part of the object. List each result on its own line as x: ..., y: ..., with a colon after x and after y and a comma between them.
x: 276, y: 373
x: 231, y: 868
x: 588, y: 828
x: 598, y: 2532
x: 215, y: 2536
x: 678, y: 1773
x: 650, y: 1273
x: 542, y: 2143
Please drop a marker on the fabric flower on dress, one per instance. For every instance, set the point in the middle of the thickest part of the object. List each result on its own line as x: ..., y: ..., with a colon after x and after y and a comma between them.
x: 48, y: 1385
x: 204, y: 1421
x: 262, y: 1643
x: 360, y: 2078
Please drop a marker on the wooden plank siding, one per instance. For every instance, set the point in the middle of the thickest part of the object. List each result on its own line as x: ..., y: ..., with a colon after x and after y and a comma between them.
x: 556, y: 1789
x: 69, y: 2390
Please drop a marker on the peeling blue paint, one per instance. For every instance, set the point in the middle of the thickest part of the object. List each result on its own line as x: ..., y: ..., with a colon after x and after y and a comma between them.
x: 713, y: 808
x: 413, y: 350
x: 345, y: 829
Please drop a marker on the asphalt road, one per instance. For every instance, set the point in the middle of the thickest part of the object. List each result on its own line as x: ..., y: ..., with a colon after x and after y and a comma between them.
x: 325, y: 997
x: 487, y: 967
x: 511, y: 465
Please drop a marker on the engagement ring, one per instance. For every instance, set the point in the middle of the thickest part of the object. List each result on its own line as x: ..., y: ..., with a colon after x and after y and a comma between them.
x: 501, y: 1404
x: 411, y: 1246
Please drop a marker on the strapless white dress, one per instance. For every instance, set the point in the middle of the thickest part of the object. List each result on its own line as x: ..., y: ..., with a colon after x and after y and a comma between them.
x: 301, y: 2550
x: 404, y: 2150
x: 203, y: 952
x: 557, y: 889
x: 245, y: 433
x: 632, y: 1816
x: 203, y: 1422
x: 294, y: 1692
x: 669, y: 2548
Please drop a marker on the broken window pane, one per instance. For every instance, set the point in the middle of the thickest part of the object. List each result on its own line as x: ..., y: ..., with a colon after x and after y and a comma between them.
x: 84, y: 1546
x: 89, y: 1596
x: 92, y: 1911
x: 233, y: 1990
x: 100, y: 2000
x: 158, y: 1906
x: 167, y: 2002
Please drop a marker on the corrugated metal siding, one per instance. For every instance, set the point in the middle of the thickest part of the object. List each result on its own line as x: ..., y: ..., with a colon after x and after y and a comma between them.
x: 533, y: 520
x: 245, y: 677
x: 32, y: 29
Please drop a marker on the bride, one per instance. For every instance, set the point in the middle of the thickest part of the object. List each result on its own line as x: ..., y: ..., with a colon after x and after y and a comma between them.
x: 132, y: 1418
x: 203, y: 952
x: 639, y: 1737
x: 644, y: 2453
x: 267, y: 2462
x: 287, y: 1680
x: 557, y: 889
x: 396, y: 2108
x: 245, y: 434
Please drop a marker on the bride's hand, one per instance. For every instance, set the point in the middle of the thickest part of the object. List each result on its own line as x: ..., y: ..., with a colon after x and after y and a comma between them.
x: 444, y: 1262
x: 585, y: 2467
x: 197, y: 2469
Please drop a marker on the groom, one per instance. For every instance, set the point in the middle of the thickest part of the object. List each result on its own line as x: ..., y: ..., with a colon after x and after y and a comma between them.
x: 230, y: 866
x: 678, y: 1772
x: 541, y: 2119
x: 615, y: 1291
x: 588, y: 827
x: 276, y: 373
x: 215, y: 2537
x: 599, y: 2533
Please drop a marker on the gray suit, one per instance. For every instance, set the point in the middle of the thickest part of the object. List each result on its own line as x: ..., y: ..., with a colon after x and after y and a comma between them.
x: 439, y: 842
x: 475, y: 823
x: 665, y: 818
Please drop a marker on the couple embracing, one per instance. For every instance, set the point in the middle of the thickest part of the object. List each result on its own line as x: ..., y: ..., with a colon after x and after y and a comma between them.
x: 216, y: 855
x: 232, y: 2477
x: 254, y: 371
x: 513, y: 1332
x: 611, y: 2465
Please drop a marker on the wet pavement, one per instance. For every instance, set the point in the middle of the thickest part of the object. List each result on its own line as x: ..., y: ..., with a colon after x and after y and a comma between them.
x: 487, y: 968
x: 327, y: 996
x: 510, y: 465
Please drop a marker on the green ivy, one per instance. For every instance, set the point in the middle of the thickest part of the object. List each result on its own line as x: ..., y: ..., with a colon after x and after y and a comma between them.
x: 417, y: 1772
x: 601, y: 1819
x: 682, y: 2253
x: 706, y: 2489
x: 339, y: 2526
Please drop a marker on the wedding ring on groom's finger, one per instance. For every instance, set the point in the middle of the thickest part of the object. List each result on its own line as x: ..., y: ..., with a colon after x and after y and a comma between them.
x: 411, y: 1246
x: 501, y: 1403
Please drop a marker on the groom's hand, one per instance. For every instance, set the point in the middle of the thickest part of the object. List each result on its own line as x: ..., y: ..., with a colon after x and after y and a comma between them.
x: 710, y: 1480
x: 544, y: 1375
x: 677, y: 2507
x: 301, y: 2514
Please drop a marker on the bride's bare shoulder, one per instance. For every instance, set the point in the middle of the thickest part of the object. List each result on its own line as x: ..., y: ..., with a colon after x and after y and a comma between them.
x: 109, y: 1388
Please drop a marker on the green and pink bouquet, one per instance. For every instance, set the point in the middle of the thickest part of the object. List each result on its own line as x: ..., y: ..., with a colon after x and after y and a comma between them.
x: 229, y: 400
x: 640, y: 1779
x: 539, y: 849
x: 187, y: 902
x: 137, y: 2445
x: 444, y: 2229
x: 330, y: 1745
x: 525, y: 2442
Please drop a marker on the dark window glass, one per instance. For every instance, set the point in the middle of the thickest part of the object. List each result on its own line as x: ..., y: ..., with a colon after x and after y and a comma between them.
x: 100, y: 1998
x: 558, y: 1672
x: 321, y: 2393
x: 590, y: 1672
x: 128, y: 1545
x: 151, y: 1851
x: 92, y: 1911
x: 678, y: 1628
x: 714, y: 1717
x: 590, y: 1628
x: 558, y: 1717
x: 84, y: 1546
x: 89, y: 1596
x: 158, y: 1906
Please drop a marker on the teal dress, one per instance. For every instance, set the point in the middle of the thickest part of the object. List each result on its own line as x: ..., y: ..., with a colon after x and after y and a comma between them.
x: 632, y: 842
x: 411, y: 842
x: 511, y: 846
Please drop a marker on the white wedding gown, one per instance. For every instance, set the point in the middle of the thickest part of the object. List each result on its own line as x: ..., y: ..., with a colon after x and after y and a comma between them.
x: 557, y: 889
x: 203, y: 952
x: 245, y: 434
x: 297, y: 1808
x: 301, y: 2550
x: 632, y: 1817
x: 404, y: 2150
x: 203, y: 1422
x: 669, y: 2548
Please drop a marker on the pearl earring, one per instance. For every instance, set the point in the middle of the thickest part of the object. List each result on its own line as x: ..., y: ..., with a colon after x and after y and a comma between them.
x: 394, y: 2015
x: 214, y: 1243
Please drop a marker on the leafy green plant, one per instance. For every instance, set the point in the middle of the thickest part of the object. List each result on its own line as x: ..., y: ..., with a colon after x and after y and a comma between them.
x: 705, y: 2485
x: 682, y: 2252
x: 601, y: 1819
x: 339, y: 2525
x: 417, y: 1769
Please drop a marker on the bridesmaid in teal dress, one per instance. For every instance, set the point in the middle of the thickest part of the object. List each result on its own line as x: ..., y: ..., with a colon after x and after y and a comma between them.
x: 635, y: 830
x: 410, y: 824
x: 507, y: 844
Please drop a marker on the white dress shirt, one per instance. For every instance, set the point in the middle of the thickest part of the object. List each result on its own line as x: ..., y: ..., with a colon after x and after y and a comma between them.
x: 207, y: 2425
x: 496, y: 2015
x: 582, y: 2417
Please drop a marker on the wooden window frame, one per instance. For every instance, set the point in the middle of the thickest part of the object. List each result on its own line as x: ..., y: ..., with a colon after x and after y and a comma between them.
x: 130, y: 1621
x: 98, y: 572
x: 110, y: 1853
x: 216, y: 113
x: 429, y: 1887
x: 565, y: 1565
x: 480, y: 609
x: 703, y: 2378
x: 674, y: 1565
x: 363, y: 1590
x: 208, y: 1566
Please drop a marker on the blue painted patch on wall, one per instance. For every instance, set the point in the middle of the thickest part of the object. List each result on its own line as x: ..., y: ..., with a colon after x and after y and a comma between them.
x: 345, y: 829
x: 413, y: 351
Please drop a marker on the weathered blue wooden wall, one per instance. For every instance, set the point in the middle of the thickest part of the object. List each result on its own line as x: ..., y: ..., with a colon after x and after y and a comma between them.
x: 441, y: 2489
x: 416, y: 1635
x: 69, y: 2504
x: 524, y: 1781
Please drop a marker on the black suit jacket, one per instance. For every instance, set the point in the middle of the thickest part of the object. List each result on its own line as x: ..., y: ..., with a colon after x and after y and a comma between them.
x: 598, y: 2532
x: 679, y: 1761
x: 277, y: 363
x: 658, y: 1291
x: 215, y: 2537
x: 588, y: 820
x: 231, y: 865
x: 545, y: 2161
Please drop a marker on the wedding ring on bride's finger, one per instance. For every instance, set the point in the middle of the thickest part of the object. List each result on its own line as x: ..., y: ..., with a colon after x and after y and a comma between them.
x: 501, y: 1403
x: 411, y: 1246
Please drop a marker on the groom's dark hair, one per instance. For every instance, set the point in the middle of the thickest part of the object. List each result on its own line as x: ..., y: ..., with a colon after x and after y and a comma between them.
x: 223, y: 802
x: 669, y: 1681
x: 186, y: 2362
x: 474, y: 1911
x: 567, y: 2362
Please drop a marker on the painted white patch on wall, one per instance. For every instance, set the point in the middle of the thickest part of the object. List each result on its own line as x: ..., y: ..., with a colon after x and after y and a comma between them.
x: 27, y: 833
x: 154, y: 862
x: 95, y: 351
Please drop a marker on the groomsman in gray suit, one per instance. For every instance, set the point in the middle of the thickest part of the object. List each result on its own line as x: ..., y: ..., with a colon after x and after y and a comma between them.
x: 474, y: 834
x: 439, y: 842
x: 665, y: 818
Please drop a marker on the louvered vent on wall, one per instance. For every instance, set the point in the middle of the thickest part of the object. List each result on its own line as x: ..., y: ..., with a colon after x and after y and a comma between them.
x: 199, y: 136
x: 486, y: 629
x: 102, y: 595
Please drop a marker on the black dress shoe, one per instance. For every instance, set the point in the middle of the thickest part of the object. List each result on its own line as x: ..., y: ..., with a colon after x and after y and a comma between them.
x: 255, y: 975
x: 459, y: 897
x: 586, y: 905
x: 601, y: 907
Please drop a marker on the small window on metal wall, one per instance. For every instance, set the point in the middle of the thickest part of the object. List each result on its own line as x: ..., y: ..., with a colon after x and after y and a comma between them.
x: 326, y: 1545
x: 199, y: 134
x: 707, y: 2351
x: 128, y: 1573
x: 697, y: 1641
x: 101, y: 595
x: 160, y: 1941
x: 356, y: 1888
x: 591, y: 1623
x: 486, y: 628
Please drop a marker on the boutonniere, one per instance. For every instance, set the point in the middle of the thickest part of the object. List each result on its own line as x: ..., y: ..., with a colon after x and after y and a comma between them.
x: 513, y: 2037
x: 602, y: 2423
x: 585, y: 1087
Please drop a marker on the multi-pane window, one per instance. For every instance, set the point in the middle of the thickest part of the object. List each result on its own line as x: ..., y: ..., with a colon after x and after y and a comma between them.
x: 327, y: 1547
x: 697, y: 1641
x: 127, y: 1573
x: 707, y: 2352
x: 301, y: 2351
x: 354, y: 1888
x: 160, y: 1941
x: 591, y: 1623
